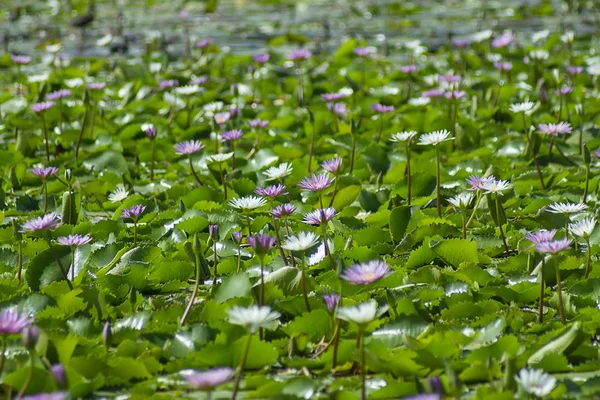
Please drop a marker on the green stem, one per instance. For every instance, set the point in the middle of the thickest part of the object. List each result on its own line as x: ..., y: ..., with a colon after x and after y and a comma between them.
x: 45, y: 196
x: 300, y: 86
x: 152, y: 160
x: 238, y: 375
x: 464, y: 226
x: 29, y: 377
x: 542, y: 283
x: 352, y: 152
x: 408, y: 174
x: 85, y: 116
x: 380, y: 127
x: 45, y: 129
x: 223, y: 182
x: 336, y: 343
x: 232, y: 157
x: 561, y: 308
x: 587, y: 182
x: 474, y: 209
x: 134, y: 232
x: 249, y: 225
x: 93, y: 119
x: 454, y: 116
x: 215, y: 261
x: 437, y: 182
x: 499, y: 218
x: 3, y: 354
x: 194, y: 172
x: 73, y: 264
x: 20, y: 260
x: 588, y: 259
x: 194, y: 294
x: 312, y: 145
x: 303, y: 277
x: 335, y: 185
x: 278, y: 240
x: 363, y: 372
x: 60, y: 264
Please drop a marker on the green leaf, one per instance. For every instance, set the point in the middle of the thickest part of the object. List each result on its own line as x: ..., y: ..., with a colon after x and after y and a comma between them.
x: 43, y: 268
x: 346, y: 196
x: 456, y: 251
x: 399, y: 219
x: 237, y: 285
x: 556, y: 346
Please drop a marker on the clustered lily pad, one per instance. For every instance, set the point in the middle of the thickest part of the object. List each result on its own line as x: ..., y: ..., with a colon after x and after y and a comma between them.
x: 300, y: 223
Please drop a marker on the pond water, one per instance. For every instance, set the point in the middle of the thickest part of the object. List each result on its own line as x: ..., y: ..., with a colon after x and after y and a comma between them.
x: 243, y: 26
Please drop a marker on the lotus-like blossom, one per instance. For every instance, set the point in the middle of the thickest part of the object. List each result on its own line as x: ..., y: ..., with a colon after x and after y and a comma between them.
x: 44, y: 173
x: 204, y: 43
x: 20, y: 60
x: 539, y: 55
x: 555, y: 129
x: 247, y: 203
x: 43, y: 106
x: 381, y: 108
x: 408, y: 69
x: 57, y: 95
x: 583, y: 228
x: 74, y: 240
x: 232, y: 135
x: 338, y: 109
x: 316, y: 183
x: 299, y: 55
x: 261, y: 243
x: 332, y: 97
x: 283, y: 210
x: 554, y: 246
x: 271, y: 191
x: 133, y: 212
x: 574, y: 70
x: 536, y: 382
x: 541, y: 236
x: 12, y: 322
x: 301, y: 242
x: 331, y: 301
x: 45, y: 222
x: 201, y: 80
x: 149, y: 130
x: 208, y: 380
x: 503, y: 66
x: 434, y: 138
x: 403, y: 136
x: 257, y: 123
x: 278, y: 172
x: 319, y: 216
x: 222, y: 117
x: 566, y: 208
x: 96, y: 85
x: 449, y: 78
x: 46, y: 396
x: 503, y: 40
x: 119, y: 194
x: 188, y: 147
x: 167, y: 84
x: 477, y: 182
x: 433, y: 93
x: 563, y: 91
x: 220, y: 157
x: 492, y: 185
x: 526, y: 107
x: 461, y: 201
x: 261, y: 58
x: 213, y: 231
x: 361, y: 314
x: 252, y: 318
x: 365, y: 273
x: 333, y: 166
x: 455, y: 94
x: 364, y: 51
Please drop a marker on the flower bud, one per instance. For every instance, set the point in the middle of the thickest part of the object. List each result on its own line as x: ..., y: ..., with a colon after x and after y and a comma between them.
x: 30, y: 336
x: 60, y: 375
x: 237, y: 237
x: 213, y: 231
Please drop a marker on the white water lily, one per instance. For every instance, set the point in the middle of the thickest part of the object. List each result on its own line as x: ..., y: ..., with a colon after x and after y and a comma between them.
x: 495, y: 186
x: 536, y: 381
x: 461, y: 201
x: 539, y: 54
x: 361, y: 314
x: 566, y: 208
x: 583, y: 228
x: 221, y: 157
x: 434, y: 138
x: 247, y: 203
x: 119, y: 194
x: 419, y: 101
x: 187, y: 90
x: 301, y: 242
x: 253, y: 317
x: 278, y: 172
x: 403, y: 136
x: 527, y: 107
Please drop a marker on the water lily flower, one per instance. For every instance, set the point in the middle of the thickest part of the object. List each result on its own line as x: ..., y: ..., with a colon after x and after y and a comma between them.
x: 333, y: 166
x: 257, y: 123
x: 316, y: 183
x: 188, y: 147
x: 365, y: 273
x: 319, y: 216
x: 271, y: 191
x: 566, y: 208
x: 20, y: 60
x: 526, y: 107
x: 583, y: 228
x: 278, y: 172
x: 253, y: 317
x: 331, y: 301
x: 45, y: 222
x: 361, y: 314
x: 403, y: 136
x: 283, y: 210
x: 57, y: 95
x: 299, y: 54
x: 13, y: 322
x: 554, y: 246
x: 208, y: 380
x: 43, y: 106
x: 541, y: 236
x: 119, y: 194
x: 301, y: 242
x: 536, y: 382
x: 247, y: 203
x: 492, y: 185
x: 503, y: 40
x: 434, y: 138
x: 44, y: 173
x: 261, y: 58
x: 461, y: 201
x: 74, y: 240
